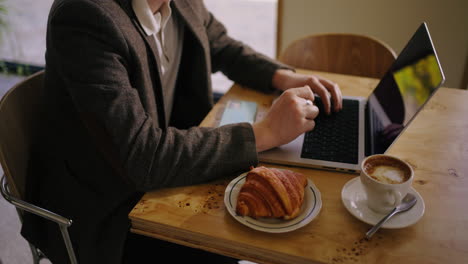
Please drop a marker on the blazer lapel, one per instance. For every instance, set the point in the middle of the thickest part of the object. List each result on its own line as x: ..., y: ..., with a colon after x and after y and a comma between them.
x: 151, y: 43
x: 184, y: 8
x: 190, y: 18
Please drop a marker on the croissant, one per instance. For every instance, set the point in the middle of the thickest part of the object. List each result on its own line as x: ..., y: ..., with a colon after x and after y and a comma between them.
x: 271, y: 193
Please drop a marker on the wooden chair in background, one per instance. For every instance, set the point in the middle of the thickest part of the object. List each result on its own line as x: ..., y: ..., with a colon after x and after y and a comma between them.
x: 350, y: 54
x: 20, y: 110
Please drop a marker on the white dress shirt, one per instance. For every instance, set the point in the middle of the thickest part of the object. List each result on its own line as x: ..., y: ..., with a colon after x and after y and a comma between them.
x: 168, y: 32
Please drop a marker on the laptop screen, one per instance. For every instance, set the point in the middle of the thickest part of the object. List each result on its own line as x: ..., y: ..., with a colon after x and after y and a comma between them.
x: 407, y: 86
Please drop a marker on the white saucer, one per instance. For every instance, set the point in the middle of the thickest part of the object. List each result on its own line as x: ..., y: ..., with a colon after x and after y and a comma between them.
x: 355, y: 200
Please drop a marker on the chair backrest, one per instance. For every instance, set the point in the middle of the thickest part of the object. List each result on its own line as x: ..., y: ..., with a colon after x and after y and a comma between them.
x: 340, y: 53
x: 20, y: 110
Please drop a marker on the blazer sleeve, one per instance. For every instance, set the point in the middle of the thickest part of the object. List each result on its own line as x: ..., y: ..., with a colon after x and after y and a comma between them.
x: 92, y: 56
x: 238, y: 61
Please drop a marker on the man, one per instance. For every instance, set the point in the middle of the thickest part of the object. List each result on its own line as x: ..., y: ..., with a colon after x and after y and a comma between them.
x: 127, y: 83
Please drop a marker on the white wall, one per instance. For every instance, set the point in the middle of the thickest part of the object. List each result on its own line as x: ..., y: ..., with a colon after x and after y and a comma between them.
x: 393, y: 22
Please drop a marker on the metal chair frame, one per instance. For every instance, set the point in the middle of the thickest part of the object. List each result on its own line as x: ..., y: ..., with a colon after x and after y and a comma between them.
x: 62, y: 222
x: 23, y: 206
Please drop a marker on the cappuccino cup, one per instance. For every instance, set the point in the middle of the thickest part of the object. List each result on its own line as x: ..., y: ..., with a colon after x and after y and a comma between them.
x: 386, y: 180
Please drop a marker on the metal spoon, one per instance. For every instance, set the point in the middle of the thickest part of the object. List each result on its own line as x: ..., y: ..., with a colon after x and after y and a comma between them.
x: 407, y: 203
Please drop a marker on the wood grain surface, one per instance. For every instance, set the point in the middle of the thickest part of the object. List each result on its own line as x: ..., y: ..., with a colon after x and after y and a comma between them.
x: 350, y: 54
x: 435, y: 144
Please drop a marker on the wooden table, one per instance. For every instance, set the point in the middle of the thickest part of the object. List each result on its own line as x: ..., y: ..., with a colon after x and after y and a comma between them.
x: 435, y: 144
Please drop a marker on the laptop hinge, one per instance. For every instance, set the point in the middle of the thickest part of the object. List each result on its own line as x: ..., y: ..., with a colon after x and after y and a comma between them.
x: 369, y: 137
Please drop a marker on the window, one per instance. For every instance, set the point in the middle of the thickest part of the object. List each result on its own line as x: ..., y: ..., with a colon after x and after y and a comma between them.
x: 22, y: 40
x: 250, y: 21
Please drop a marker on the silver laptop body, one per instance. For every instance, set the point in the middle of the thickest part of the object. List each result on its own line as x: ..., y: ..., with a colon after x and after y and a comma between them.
x: 418, y: 49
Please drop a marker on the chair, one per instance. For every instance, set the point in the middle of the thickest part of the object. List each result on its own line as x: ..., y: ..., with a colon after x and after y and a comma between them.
x: 19, y: 116
x: 340, y: 53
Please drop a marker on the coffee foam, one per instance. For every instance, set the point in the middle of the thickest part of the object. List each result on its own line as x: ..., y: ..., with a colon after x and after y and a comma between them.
x: 388, y: 174
x: 387, y: 170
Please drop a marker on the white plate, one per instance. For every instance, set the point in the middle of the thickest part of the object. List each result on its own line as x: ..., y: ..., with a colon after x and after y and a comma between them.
x: 355, y: 200
x: 309, y: 210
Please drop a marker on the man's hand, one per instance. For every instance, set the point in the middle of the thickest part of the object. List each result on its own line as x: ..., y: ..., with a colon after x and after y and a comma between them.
x: 327, y: 90
x: 290, y: 116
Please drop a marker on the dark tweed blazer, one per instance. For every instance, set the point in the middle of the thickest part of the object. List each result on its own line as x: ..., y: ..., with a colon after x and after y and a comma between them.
x: 105, y: 140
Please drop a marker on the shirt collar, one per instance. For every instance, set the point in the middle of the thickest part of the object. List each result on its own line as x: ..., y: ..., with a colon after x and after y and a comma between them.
x: 151, y: 23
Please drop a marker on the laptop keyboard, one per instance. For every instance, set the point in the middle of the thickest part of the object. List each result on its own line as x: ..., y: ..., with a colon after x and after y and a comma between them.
x: 335, y: 137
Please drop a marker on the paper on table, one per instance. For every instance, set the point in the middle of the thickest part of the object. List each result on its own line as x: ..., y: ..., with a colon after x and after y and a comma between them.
x: 238, y: 111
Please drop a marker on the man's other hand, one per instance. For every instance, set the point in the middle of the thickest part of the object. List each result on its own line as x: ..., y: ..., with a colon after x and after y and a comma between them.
x: 327, y: 90
x: 290, y: 116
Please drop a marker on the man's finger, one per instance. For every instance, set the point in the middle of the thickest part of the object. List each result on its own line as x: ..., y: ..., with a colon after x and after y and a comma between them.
x: 335, y: 92
x: 320, y: 89
x: 304, y: 92
x: 311, y: 112
x: 309, y: 125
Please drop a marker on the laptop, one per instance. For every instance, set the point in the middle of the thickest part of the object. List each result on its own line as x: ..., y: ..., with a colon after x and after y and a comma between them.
x: 370, y: 125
